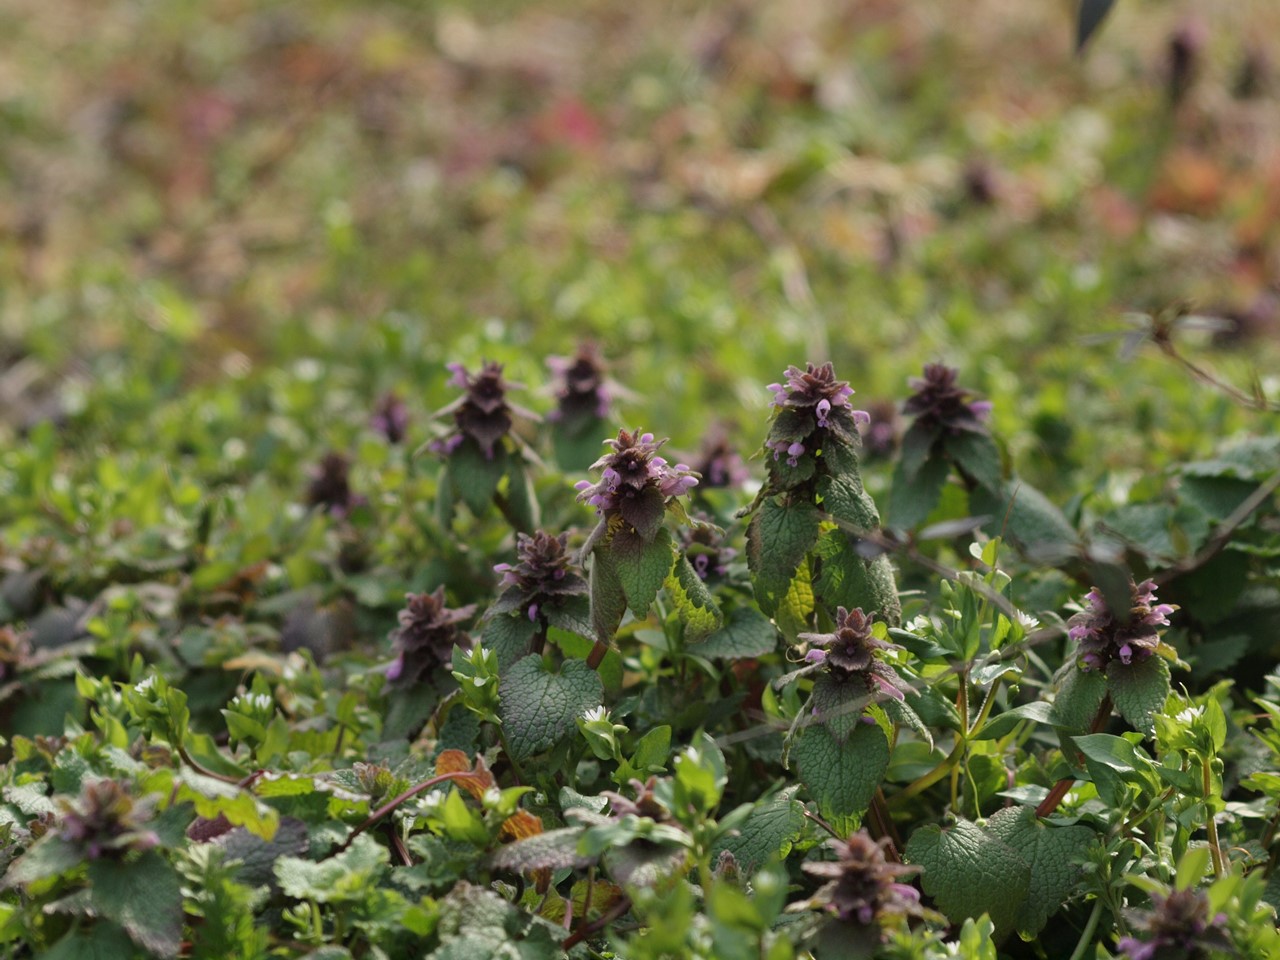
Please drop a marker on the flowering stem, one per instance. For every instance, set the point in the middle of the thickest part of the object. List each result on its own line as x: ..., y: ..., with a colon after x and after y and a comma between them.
x: 597, y: 654
x: 1050, y: 803
x: 883, y: 824
x: 1215, y: 848
x: 1086, y: 936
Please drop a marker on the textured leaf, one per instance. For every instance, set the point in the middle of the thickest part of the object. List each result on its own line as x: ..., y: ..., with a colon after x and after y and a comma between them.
x: 846, y: 579
x: 796, y: 606
x: 343, y: 877
x: 977, y: 457
x: 746, y: 633
x: 645, y: 864
x: 642, y: 566
x: 1078, y: 699
x: 1024, y: 514
x: 917, y: 444
x: 841, y: 777
x: 839, y: 704
x: 555, y: 849
x: 473, y: 477
x: 477, y: 924
x: 608, y: 601
x: 522, y: 505
x: 644, y: 512
x: 913, y: 497
x: 102, y: 941
x: 693, y: 602
x: 48, y: 857
x: 143, y: 896
x: 257, y: 856
x: 844, y: 499
x: 538, y: 707
x: 969, y: 872
x: 508, y: 635
x: 778, y: 537
x: 1092, y: 13
x: 768, y: 831
x: 1138, y: 690
x: 1049, y: 852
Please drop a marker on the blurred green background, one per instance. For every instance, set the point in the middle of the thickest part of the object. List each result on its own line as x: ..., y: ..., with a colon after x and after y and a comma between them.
x: 226, y: 227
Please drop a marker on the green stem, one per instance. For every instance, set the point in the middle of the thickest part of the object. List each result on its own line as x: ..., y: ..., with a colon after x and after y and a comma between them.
x: 1086, y: 936
x: 1215, y: 848
x: 921, y: 784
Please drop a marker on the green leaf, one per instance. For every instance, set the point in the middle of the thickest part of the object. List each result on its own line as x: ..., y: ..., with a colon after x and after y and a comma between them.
x: 1025, y: 514
x: 917, y: 444
x: 644, y: 512
x: 47, y: 857
x: 913, y: 497
x: 693, y: 602
x: 473, y: 477
x: 1138, y: 690
x: 508, y: 636
x: 841, y: 777
x: 1115, y: 753
x: 1092, y: 13
x: 346, y: 876
x: 538, y: 708
x: 977, y: 457
x: 642, y: 566
x: 997, y: 726
x: 144, y: 897
x: 746, y: 633
x: 844, y: 499
x: 839, y: 704
x: 768, y: 831
x: 846, y: 579
x: 608, y: 600
x: 522, y: 505
x: 554, y: 850
x: 778, y: 537
x: 796, y: 607
x: 102, y: 941
x: 1079, y: 696
x: 969, y: 872
x: 579, y: 647
x: 1050, y: 852
x: 257, y: 857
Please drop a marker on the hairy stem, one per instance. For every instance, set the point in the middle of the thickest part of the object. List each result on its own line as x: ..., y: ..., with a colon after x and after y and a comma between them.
x: 1050, y: 803
x: 1215, y: 848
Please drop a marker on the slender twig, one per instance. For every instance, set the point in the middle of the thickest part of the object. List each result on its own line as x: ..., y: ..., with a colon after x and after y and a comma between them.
x: 205, y: 771
x: 409, y: 794
x: 595, y: 926
x: 1254, y: 402
x: 822, y: 823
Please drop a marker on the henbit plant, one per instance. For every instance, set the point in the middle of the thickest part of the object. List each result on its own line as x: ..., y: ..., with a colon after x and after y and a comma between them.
x: 662, y: 759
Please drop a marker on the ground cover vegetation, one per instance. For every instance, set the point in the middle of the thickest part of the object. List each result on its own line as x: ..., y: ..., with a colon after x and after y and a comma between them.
x: 656, y: 480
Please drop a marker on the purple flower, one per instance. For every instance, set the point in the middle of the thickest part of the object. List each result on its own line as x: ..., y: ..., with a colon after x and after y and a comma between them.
x: 483, y: 414
x: 1178, y: 928
x: 427, y: 634
x: 719, y: 464
x: 391, y: 418
x: 880, y: 433
x: 1103, y: 637
x: 862, y: 886
x: 940, y: 404
x: 544, y: 576
x: 330, y: 486
x: 814, y: 387
x: 582, y: 394
x: 105, y: 821
x: 632, y: 470
x: 850, y: 651
x: 706, y: 548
